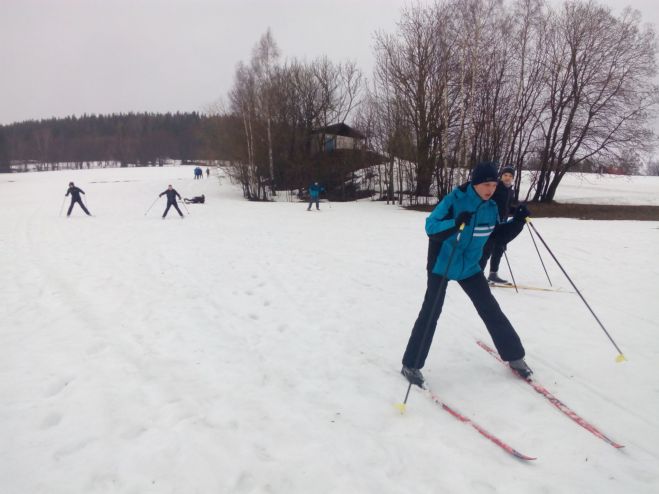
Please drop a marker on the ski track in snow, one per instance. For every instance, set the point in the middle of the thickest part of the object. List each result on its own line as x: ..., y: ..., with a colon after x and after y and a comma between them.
x: 256, y: 347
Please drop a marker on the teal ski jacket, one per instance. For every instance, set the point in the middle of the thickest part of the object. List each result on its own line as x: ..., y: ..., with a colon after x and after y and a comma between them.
x: 315, y: 190
x: 445, y: 237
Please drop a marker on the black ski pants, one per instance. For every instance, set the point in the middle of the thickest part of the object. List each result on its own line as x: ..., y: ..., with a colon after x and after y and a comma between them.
x: 493, y: 250
x: 169, y: 205
x: 496, y: 245
x: 503, y: 334
x: 73, y: 201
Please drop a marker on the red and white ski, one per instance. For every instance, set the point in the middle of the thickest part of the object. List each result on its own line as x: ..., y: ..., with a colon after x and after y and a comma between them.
x: 555, y: 401
x: 463, y: 418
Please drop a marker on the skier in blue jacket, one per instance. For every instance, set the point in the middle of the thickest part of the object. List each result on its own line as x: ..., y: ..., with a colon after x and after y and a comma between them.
x: 458, y: 228
x: 314, y: 192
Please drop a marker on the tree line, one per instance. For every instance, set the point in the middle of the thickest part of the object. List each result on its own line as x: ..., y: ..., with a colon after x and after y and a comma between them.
x: 274, y: 107
x: 520, y: 83
x: 139, y: 139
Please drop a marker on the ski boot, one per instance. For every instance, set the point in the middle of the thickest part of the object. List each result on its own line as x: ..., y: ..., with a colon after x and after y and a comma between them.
x: 414, y: 376
x: 520, y: 368
x: 494, y: 278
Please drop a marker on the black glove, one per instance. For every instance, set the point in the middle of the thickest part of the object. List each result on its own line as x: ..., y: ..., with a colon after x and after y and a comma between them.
x: 463, y: 217
x: 521, y: 213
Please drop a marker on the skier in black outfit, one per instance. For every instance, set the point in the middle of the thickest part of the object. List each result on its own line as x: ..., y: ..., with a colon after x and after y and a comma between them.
x: 75, y: 197
x: 504, y: 196
x: 171, y: 200
x: 195, y: 200
x: 457, y: 230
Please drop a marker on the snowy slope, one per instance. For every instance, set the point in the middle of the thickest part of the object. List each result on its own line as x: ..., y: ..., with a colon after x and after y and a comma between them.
x: 593, y: 188
x: 255, y: 348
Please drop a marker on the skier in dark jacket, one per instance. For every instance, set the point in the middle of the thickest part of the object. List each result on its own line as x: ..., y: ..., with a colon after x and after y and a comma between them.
x: 75, y: 197
x: 195, y: 200
x: 504, y: 196
x: 454, y: 252
x: 171, y: 200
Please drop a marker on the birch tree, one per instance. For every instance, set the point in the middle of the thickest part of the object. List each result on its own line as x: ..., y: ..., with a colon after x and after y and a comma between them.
x: 264, y: 59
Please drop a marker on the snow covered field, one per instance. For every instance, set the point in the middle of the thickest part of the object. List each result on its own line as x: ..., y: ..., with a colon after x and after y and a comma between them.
x: 592, y: 188
x: 255, y: 348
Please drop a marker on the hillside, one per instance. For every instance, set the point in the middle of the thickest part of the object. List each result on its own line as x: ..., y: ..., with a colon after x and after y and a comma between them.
x: 255, y: 347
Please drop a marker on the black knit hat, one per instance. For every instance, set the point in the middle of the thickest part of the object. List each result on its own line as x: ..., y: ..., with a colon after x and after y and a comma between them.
x: 507, y: 169
x: 485, y: 171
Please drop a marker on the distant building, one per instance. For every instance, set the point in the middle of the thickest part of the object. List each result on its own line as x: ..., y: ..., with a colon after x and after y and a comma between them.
x: 338, y: 153
x: 338, y: 136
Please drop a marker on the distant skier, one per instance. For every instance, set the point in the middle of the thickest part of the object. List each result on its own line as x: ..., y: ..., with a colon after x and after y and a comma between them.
x: 75, y: 197
x: 195, y: 200
x: 455, y: 253
x: 314, y: 195
x: 171, y: 200
x: 208, y: 172
x: 504, y: 196
x: 198, y: 174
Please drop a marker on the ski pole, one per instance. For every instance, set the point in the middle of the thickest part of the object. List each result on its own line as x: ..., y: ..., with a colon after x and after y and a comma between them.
x: 539, y: 256
x: 153, y: 204
x: 511, y: 271
x: 442, y: 286
x: 620, y: 356
x: 186, y: 208
x: 61, y: 208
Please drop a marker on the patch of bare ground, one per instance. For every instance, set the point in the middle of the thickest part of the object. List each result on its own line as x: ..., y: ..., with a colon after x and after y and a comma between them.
x: 584, y: 211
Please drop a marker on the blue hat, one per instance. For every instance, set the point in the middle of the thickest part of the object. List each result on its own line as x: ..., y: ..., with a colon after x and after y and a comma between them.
x: 485, y: 171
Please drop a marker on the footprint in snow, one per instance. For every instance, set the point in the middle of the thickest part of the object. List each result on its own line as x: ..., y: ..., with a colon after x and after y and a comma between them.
x: 96, y: 348
x: 51, y: 420
x: 56, y: 387
x: 133, y: 432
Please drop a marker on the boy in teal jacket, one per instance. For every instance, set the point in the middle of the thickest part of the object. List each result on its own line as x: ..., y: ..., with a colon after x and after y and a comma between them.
x: 458, y: 229
x: 314, y: 195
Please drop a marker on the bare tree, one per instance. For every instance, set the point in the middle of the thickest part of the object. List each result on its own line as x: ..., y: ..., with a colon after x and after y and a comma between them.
x: 599, y: 87
x: 653, y: 168
x: 516, y: 83
x: 529, y: 34
x: 461, y: 81
x: 264, y: 60
x: 243, y: 101
x: 405, y: 63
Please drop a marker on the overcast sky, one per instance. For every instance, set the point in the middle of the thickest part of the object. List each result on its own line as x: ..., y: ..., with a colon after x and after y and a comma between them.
x: 63, y: 57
